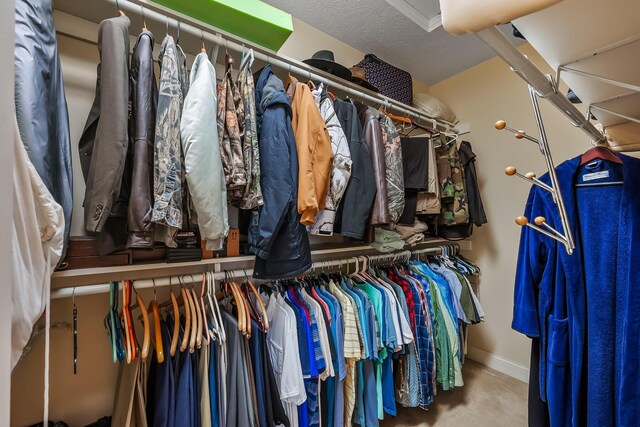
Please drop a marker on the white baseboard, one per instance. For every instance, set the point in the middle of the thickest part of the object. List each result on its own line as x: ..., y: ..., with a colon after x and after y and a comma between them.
x: 498, y: 363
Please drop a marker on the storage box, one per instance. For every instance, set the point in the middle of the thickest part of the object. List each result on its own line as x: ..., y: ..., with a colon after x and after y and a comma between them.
x: 252, y: 20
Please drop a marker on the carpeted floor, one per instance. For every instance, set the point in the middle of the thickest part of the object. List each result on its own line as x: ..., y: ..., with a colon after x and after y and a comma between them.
x: 488, y: 399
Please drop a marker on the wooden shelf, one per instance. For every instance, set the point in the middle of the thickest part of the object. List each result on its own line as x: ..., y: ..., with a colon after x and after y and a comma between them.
x: 92, y: 276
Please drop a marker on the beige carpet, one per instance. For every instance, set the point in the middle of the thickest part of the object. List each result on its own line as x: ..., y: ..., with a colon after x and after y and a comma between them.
x: 488, y: 399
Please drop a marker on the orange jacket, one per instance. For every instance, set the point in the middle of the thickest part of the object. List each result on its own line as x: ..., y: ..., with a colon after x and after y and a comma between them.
x: 315, y: 156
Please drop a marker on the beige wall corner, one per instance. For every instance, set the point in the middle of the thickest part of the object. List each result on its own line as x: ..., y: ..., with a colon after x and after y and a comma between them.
x: 480, y: 96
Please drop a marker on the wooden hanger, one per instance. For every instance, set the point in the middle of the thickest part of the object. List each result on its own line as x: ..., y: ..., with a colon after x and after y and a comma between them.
x: 239, y: 305
x: 245, y: 310
x: 187, y: 313
x: 600, y: 152
x: 153, y: 308
x: 173, y: 302
x: 263, y: 309
x: 199, y: 320
x: 144, y: 20
x: 191, y: 306
x: 144, y: 353
x: 120, y: 12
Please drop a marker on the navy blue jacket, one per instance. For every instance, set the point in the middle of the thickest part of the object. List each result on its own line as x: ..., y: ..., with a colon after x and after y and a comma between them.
x: 276, y: 236
x: 584, y: 307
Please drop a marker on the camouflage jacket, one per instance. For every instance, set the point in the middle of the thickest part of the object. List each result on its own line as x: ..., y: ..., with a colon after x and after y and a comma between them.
x: 454, y: 207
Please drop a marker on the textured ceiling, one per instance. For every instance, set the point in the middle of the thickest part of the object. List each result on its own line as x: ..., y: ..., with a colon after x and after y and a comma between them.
x: 374, y: 26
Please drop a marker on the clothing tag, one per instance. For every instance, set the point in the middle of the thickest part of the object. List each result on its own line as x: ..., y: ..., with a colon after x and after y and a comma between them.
x: 595, y: 175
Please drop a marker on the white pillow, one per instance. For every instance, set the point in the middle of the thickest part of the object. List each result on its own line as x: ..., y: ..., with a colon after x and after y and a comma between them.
x: 433, y: 107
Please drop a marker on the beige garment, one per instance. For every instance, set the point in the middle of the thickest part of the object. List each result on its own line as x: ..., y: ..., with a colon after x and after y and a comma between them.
x: 129, y: 403
x: 349, y: 392
x: 203, y: 372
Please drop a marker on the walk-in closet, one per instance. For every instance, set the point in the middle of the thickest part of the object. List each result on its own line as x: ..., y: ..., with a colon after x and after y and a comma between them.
x: 267, y: 213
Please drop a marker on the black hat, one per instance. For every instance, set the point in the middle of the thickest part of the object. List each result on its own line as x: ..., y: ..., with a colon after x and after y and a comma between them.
x: 324, y: 60
x: 358, y: 76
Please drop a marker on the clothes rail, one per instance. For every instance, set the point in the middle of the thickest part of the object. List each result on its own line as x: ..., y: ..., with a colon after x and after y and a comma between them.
x: 97, y: 275
x: 204, y: 31
x: 70, y: 291
x: 545, y: 86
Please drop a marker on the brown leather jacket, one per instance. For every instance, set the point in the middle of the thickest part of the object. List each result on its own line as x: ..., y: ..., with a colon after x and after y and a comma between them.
x: 375, y: 143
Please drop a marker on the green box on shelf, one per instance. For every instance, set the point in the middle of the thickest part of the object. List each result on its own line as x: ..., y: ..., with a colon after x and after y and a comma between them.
x: 252, y: 20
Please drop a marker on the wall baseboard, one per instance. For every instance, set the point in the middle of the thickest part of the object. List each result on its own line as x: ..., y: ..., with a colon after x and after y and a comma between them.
x: 498, y: 363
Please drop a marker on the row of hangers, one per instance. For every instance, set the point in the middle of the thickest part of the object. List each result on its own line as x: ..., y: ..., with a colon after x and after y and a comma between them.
x: 203, y: 320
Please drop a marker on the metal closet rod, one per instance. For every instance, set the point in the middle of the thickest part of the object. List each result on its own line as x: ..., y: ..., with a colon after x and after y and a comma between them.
x: 544, y: 86
x: 70, y: 291
x: 201, y: 31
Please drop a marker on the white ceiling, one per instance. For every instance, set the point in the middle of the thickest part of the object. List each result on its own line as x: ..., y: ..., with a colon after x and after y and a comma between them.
x: 376, y: 26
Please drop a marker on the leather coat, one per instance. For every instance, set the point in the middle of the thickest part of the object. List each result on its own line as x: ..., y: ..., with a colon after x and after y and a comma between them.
x: 373, y: 138
x: 144, y: 98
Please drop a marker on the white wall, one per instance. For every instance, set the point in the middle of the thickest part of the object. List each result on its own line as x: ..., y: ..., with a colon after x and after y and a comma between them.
x: 7, y: 108
x: 480, y: 96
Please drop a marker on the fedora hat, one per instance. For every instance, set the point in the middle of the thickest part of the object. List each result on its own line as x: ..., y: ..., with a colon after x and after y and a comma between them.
x: 359, y: 77
x: 324, y: 60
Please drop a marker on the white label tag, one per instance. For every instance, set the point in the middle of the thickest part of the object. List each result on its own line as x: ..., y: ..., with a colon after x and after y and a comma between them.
x: 595, y: 175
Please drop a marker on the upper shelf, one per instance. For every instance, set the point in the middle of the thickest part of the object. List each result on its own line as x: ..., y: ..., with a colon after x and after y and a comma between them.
x: 596, y: 38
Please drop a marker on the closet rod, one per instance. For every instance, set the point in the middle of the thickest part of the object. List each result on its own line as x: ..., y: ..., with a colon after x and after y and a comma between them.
x: 202, y: 31
x: 544, y: 85
x: 68, y: 292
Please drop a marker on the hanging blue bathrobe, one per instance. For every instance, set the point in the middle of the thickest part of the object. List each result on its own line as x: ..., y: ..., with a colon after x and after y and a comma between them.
x: 585, y: 307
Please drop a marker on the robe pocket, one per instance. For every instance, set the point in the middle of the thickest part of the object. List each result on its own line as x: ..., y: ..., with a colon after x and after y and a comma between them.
x: 558, y: 341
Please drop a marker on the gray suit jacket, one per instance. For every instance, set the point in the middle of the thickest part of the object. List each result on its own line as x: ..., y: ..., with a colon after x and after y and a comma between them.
x: 105, y: 140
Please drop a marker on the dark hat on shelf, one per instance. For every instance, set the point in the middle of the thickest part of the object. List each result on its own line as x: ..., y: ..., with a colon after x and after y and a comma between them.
x: 359, y: 77
x: 325, y: 61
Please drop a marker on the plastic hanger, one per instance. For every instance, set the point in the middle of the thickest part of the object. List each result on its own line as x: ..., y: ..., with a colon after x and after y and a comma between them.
x: 130, y: 341
x: 215, y: 313
x: 203, y: 307
x: 214, y: 318
x: 111, y: 322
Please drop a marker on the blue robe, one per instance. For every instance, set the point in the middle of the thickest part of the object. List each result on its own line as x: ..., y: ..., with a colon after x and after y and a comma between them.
x: 585, y: 307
